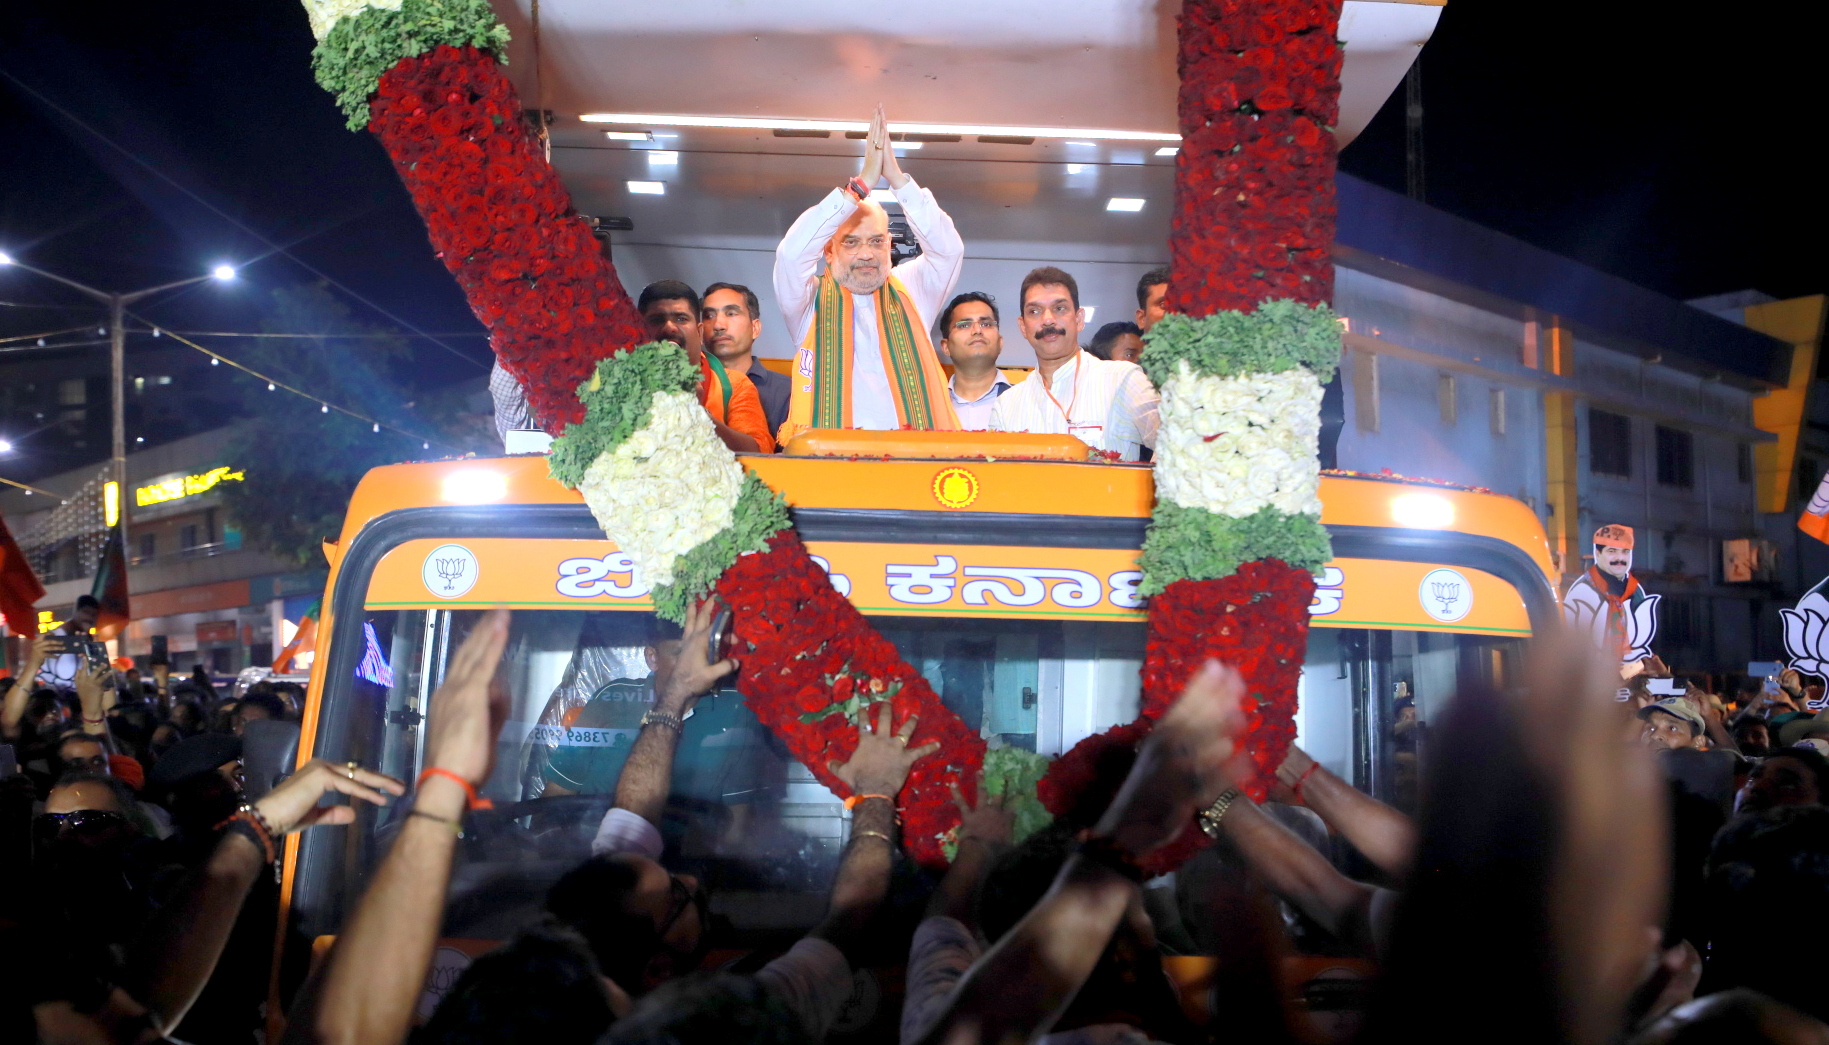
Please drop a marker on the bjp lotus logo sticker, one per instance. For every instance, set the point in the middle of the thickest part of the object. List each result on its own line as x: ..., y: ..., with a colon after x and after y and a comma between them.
x: 955, y: 487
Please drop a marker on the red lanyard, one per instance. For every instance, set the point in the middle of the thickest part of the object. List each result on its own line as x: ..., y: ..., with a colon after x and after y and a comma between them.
x: 1067, y: 411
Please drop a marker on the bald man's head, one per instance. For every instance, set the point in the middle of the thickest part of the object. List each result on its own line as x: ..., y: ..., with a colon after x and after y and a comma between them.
x: 858, y: 253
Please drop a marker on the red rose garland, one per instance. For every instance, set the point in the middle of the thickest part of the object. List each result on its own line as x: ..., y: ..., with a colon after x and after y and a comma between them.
x: 810, y: 649
x: 1254, y: 222
x: 504, y: 225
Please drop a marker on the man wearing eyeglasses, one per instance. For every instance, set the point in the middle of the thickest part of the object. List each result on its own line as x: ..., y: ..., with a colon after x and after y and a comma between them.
x: 865, y: 360
x: 1107, y: 404
x: 970, y: 333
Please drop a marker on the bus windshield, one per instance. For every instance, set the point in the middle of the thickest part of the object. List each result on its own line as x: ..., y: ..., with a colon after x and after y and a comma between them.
x: 743, y: 816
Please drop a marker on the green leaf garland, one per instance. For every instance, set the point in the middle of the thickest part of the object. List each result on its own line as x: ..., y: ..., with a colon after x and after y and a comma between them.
x: 759, y: 514
x: 358, y: 49
x: 616, y: 401
x: 1194, y: 544
x: 1279, y: 336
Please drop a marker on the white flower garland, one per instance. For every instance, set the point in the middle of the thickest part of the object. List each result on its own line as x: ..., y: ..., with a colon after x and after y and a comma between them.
x: 667, y: 488
x: 325, y: 14
x: 1236, y: 445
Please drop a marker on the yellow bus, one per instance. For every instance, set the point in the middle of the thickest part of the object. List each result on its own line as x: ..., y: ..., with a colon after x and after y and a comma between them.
x: 1008, y: 581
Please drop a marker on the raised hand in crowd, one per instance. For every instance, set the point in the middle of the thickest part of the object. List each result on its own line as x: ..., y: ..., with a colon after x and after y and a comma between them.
x: 1382, y: 833
x: 182, y: 947
x: 875, y: 773
x: 95, y: 693
x: 648, y: 774
x: 1020, y: 986
x: 19, y: 694
x: 372, y: 979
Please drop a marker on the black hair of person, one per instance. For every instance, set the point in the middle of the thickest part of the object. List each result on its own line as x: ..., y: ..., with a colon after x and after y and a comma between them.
x: 1810, y: 757
x: 716, y: 1007
x: 271, y: 702
x: 750, y: 301
x: 590, y: 899
x: 1156, y: 277
x: 88, y: 602
x: 544, y: 987
x: 1049, y: 276
x: 668, y: 290
x: 946, y: 315
x: 1101, y: 341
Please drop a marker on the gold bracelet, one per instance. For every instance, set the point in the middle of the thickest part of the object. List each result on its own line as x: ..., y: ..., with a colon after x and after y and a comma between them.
x: 456, y: 828
x: 662, y: 718
x: 866, y: 832
x: 1211, y: 816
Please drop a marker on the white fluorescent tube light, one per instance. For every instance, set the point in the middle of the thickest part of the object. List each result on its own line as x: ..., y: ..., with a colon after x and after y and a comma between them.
x: 628, y: 136
x: 1076, y: 168
x: 768, y: 124
x: 657, y: 188
x: 1168, y: 150
x: 1123, y: 203
x: 664, y: 159
x: 907, y: 145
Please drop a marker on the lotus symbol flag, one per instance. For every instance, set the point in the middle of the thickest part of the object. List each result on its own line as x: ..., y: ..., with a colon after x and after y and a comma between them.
x: 1807, y: 632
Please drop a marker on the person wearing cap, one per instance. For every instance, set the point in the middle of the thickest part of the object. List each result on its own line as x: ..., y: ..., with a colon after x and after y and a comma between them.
x: 201, y: 780
x: 1608, y: 603
x: 1672, y: 723
x: 1805, y: 732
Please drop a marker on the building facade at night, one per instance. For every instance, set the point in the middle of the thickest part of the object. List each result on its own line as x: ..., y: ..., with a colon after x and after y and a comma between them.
x: 1476, y: 358
x: 193, y: 583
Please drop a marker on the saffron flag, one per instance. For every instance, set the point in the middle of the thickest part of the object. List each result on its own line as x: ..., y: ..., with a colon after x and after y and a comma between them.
x: 1814, y: 519
x: 19, y: 587
x: 110, y: 588
x: 303, y: 641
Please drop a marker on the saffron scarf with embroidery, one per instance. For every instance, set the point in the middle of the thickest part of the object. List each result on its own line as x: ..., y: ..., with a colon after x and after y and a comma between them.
x: 822, y: 393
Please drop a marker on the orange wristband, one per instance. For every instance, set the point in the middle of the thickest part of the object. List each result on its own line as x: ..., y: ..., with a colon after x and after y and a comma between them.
x: 852, y: 802
x: 472, y: 799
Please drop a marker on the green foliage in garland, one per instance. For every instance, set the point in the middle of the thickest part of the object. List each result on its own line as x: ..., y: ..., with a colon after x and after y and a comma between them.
x: 759, y: 514
x: 1195, y: 544
x: 1014, y: 774
x: 617, y: 400
x: 1279, y: 336
x: 358, y: 49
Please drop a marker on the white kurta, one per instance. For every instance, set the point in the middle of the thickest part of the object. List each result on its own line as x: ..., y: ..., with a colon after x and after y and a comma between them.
x: 929, y: 278
x: 1114, y: 406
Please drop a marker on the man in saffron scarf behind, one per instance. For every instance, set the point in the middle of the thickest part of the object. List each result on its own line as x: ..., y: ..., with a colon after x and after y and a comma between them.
x: 865, y: 360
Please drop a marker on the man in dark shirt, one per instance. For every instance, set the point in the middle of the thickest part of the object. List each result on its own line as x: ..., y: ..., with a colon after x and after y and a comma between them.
x: 731, y: 321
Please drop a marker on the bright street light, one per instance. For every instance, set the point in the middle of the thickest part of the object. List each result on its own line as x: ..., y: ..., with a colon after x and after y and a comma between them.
x: 6, y: 446
x: 5, y: 258
x: 223, y: 272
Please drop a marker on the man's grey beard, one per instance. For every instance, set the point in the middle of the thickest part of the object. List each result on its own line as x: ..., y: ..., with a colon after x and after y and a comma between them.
x: 852, y: 283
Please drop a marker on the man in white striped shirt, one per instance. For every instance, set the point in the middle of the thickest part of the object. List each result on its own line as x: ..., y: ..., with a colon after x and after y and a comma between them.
x: 1108, y: 405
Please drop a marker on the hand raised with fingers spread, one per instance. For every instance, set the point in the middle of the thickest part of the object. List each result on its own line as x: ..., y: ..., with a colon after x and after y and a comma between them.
x: 693, y: 674
x: 92, y: 684
x: 293, y: 805
x: 992, y: 822
x: 1187, y: 761
x: 466, y: 710
x: 882, y: 760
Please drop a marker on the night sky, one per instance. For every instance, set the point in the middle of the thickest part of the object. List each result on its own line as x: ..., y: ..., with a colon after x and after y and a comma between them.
x: 1668, y: 149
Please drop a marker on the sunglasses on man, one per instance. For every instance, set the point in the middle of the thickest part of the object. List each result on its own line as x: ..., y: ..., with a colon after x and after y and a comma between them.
x: 47, y: 827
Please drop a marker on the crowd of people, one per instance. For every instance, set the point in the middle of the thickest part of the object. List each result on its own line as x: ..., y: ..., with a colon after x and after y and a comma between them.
x: 1648, y: 870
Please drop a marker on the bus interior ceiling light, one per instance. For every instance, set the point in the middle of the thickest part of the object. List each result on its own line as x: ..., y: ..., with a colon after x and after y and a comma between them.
x: 1128, y: 204
x: 1422, y: 511
x: 663, y: 158
x: 758, y: 123
x: 648, y: 188
x: 628, y: 136
x: 1168, y: 150
x: 475, y: 486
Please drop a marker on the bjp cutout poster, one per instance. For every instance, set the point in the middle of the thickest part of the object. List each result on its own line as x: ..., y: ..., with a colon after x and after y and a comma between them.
x: 1608, y: 604
x: 1806, y: 625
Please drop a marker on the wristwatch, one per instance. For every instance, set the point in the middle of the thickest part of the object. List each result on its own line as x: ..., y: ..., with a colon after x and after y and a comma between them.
x: 1210, y: 817
x: 857, y: 189
x: 662, y: 718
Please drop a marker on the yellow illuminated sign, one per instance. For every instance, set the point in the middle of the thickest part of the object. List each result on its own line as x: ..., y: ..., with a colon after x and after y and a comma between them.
x: 111, y: 503
x: 184, y: 486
